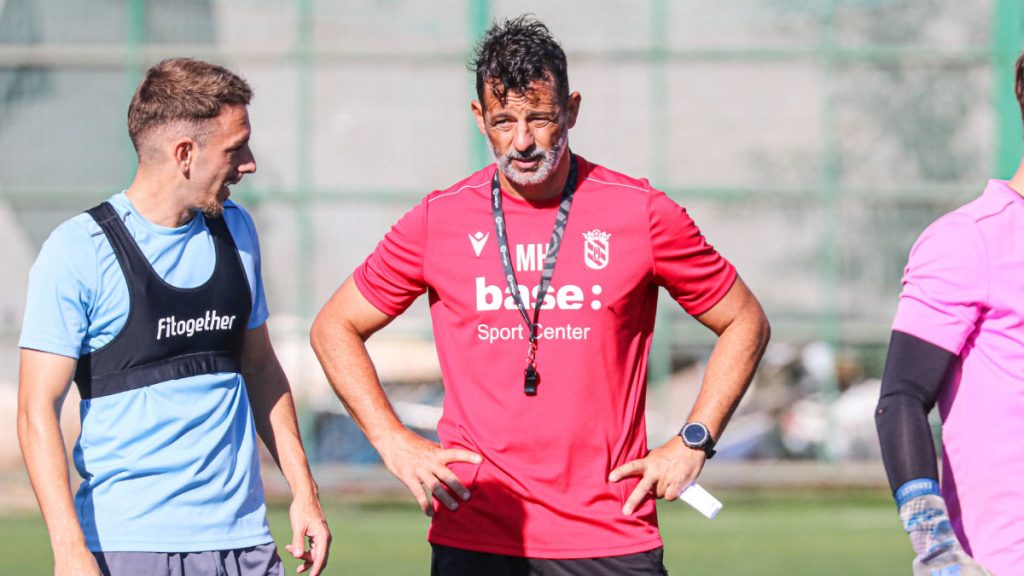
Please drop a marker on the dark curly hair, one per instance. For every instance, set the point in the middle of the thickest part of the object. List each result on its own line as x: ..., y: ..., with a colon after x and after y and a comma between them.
x: 515, y: 53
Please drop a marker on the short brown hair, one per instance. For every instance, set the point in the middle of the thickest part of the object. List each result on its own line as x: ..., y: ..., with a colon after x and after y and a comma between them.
x: 183, y: 90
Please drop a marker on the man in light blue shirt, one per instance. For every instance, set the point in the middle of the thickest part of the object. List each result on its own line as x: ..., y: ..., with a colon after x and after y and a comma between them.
x: 153, y: 304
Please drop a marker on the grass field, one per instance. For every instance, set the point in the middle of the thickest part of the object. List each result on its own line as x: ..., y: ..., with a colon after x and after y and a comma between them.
x: 757, y: 534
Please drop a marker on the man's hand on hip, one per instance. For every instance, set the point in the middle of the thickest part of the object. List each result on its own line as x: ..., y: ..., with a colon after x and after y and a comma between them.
x: 423, y: 467
x: 666, y: 471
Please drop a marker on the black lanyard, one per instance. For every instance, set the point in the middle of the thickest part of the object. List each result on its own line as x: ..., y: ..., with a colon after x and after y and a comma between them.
x: 532, y: 377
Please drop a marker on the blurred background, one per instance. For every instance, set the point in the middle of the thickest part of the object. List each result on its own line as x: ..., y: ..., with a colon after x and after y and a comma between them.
x: 812, y: 141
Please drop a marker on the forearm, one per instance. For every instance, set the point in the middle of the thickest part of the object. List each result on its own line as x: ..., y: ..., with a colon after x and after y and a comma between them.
x: 914, y: 374
x: 339, y: 338
x: 273, y: 409
x: 730, y: 369
x: 42, y: 447
x: 278, y: 427
x: 43, y: 383
x: 342, y: 352
x: 905, y: 437
x: 743, y: 333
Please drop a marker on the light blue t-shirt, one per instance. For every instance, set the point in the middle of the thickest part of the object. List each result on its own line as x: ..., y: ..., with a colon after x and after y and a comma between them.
x: 171, y: 467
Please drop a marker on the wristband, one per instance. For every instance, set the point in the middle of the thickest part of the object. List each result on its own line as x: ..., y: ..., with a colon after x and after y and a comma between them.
x: 915, y: 489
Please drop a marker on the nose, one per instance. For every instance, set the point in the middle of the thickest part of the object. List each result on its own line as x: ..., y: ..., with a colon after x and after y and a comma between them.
x: 524, y: 140
x: 247, y: 164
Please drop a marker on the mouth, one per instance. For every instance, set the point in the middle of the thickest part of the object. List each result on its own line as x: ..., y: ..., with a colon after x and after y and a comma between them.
x: 526, y: 164
x: 225, y: 189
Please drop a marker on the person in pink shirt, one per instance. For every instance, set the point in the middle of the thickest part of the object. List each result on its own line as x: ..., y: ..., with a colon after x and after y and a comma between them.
x: 958, y: 340
x: 543, y: 273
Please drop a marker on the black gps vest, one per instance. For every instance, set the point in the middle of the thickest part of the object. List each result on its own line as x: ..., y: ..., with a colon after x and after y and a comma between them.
x: 170, y: 332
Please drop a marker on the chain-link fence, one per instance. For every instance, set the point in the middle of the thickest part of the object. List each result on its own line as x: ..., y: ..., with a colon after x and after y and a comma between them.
x: 811, y: 139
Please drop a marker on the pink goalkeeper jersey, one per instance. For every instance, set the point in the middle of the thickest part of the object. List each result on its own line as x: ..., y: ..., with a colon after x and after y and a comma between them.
x: 542, y: 490
x: 963, y: 290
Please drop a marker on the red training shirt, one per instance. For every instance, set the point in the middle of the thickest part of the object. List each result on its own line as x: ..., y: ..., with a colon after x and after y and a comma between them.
x: 542, y: 490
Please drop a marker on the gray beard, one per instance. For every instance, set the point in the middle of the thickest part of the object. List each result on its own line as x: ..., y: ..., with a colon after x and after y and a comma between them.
x: 550, y: 159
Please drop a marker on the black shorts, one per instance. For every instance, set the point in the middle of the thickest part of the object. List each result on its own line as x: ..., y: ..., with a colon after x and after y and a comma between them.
x: 448, y: 561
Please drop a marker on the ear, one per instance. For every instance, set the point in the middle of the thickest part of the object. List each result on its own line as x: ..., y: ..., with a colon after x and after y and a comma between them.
x: 573, y: 107
x: 184, y: 152
x: 478, y: 113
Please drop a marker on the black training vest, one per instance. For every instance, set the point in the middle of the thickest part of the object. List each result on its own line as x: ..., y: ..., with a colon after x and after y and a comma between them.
x: 170, y: 332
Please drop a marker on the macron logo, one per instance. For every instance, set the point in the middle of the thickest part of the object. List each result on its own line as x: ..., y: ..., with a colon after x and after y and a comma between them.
x: 478, y: 241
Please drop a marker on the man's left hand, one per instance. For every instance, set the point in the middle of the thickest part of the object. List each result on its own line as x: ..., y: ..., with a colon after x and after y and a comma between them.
x: 665, y: 471
x: 307, y: 518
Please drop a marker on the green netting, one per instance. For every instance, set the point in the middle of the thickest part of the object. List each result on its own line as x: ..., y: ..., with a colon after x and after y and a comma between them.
x: 811, y: 139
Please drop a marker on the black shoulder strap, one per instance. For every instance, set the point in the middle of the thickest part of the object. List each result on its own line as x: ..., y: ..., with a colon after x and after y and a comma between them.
x: 128, y: 253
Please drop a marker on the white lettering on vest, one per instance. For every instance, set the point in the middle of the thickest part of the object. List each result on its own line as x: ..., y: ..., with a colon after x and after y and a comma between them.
x: 170, y: 326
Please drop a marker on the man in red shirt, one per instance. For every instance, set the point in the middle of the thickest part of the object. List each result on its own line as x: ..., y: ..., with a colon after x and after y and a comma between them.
x: 542, y: 272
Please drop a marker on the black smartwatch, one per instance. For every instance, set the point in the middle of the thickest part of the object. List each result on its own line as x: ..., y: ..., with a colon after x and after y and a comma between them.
x: 696, y: 435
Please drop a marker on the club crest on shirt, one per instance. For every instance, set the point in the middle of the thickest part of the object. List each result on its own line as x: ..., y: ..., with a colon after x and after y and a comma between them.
x: 478, y: 241
x: 595, y: 249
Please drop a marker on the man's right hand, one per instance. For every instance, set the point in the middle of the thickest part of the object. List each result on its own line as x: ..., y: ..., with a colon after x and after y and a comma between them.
x: 75, y: 561
x: 423, y: 467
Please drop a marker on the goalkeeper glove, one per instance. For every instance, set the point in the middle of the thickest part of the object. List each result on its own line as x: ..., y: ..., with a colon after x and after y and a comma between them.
x: 926, y: 520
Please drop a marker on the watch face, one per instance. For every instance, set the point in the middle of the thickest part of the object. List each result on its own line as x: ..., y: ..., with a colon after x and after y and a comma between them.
x: 695, y: 434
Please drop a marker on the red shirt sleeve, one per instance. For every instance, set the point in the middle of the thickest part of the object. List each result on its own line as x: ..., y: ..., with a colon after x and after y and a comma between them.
x: 692, y: 271
x: 391, y: 277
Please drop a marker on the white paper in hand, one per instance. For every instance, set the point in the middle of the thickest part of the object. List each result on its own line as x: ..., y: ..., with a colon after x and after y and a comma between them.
x: 701, y: 499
